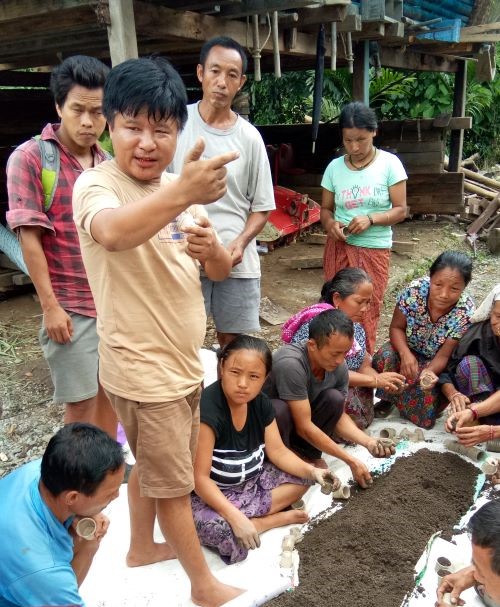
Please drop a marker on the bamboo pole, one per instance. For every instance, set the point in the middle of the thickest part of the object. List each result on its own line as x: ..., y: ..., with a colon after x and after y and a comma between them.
x: 470, y: 187
x: 492, y: 183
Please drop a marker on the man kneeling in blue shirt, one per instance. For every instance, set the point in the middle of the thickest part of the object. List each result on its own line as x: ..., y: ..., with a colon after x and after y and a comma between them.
x: 43, y: 560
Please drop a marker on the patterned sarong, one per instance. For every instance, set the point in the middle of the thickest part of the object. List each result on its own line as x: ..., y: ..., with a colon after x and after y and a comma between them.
x: 252, y: 497
x: 420, y: 406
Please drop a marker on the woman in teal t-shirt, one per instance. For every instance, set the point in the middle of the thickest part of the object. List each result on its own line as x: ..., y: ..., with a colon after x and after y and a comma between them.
x: 364, y: 194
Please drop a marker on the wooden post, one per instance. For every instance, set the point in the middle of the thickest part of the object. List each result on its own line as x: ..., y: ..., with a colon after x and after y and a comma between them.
x: 457, y: 137
x: 121, y: 33
x: 360, y: 78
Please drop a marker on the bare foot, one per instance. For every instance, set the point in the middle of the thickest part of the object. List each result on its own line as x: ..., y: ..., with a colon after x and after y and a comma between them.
x: 158, y: 552
x: 280, y: 519
x: 215, y: 594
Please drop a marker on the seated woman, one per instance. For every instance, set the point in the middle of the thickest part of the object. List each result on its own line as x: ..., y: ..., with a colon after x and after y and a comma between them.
x: 463, y: 423
x: 350, y: 290
x: 238, y: 495
x: 431, y: 315
x: 473, y: 371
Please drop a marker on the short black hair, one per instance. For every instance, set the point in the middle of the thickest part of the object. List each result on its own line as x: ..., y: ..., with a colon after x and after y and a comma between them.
x: 247, y: 342
x: 455, y: 260
x: 78, y: 458
x: 328, y: 323
x: 484, y: 527
x: 151, y: 84
x: 357, y: 115
x: 225, y: 42
x: 345, y: 283
x: 78, y: 70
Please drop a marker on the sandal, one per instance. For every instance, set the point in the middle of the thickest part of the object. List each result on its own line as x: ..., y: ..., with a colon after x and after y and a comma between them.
x: 383, y: 409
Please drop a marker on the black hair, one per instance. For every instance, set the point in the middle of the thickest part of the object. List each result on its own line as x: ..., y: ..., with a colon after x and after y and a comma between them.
x: 78, y: 458
x: 484, y: 527
x: 328, y: 323
x: 247, y: 342
x: 79, y: 70
x: 345, y: 283
x: 225, y: 42
x: 150, y: 84
x: 456, y: 261
x: 357, y: 115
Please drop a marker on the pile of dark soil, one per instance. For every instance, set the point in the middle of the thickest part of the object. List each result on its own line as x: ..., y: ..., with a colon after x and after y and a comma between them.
x: 364, y: 555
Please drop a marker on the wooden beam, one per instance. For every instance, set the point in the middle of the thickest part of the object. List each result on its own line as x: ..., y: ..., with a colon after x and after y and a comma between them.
x: 14, y: 10
x: 121, y: 32
x: 370, y: 31
x: 360, y: 82
x: 312, y: 16
x: 260, y: 7
x: 481, y: 29
x: 158, y: 22
x: 74, y: 19
x: 480, y: 38
x: 352, y: 23
x: 457, y: 136
x: 408, y: 60
x: 459, y: 123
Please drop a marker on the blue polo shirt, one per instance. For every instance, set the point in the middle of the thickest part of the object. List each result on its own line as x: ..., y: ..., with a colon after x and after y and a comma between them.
x: 36, y: 549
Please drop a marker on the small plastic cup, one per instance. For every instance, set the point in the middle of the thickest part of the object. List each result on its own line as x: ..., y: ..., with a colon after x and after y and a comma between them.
x: 286, y: 561
x: 86, y: 528
x: 326, y: 488
x: 387, y: 433
x: 443, y: 564
x: 342, y: 493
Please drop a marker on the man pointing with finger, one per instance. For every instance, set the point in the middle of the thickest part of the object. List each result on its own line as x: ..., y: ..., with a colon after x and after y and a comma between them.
x: 241, y: 213
x: 142, y: 243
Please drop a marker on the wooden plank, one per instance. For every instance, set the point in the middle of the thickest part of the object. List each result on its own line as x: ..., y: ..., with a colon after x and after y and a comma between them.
x: 480, y: 29
x: 315, y: 239
x: 400, y: 147
x: 6, y: 278
x: 488, y: 212
x: 159, y: 22
x: 311, y: 16
x: 21, y: 279
x: 299, y: 263
x: 419, y: 158
x: 494, y: 240
x: 272, y: 313
x: 459, y: 123
x: 23, y: 9
x: 352, y: 23
x: 121, y: 32
x: 394, y: 58
x: 403, y: 246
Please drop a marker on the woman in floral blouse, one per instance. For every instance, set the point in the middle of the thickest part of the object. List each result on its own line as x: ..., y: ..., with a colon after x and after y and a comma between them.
x: 430, y: 316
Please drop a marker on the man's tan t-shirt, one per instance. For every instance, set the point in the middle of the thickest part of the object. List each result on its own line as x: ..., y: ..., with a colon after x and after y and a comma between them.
x: 150, y: 314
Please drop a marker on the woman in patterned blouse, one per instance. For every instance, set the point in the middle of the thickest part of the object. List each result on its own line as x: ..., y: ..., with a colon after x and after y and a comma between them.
x: 430, y: 316
x: 350, y: 290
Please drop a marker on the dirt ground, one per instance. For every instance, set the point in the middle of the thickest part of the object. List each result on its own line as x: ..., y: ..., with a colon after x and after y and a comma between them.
x: 29, y: 418
x: 379, y: 535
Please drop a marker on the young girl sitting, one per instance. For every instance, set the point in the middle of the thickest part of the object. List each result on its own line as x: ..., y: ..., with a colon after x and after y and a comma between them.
x: 238, y: 494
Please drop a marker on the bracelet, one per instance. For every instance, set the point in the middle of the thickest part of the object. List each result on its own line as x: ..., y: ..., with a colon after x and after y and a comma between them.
x: 474, y: 413
x: 492, y: 430
x: 450, y: 398
x: 370, y: 219
x: 376, y: 382
x: 388, y: 219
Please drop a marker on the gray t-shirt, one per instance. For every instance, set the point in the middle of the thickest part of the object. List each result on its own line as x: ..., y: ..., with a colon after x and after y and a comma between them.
x: 249, y: 181
x: 292, y: 379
